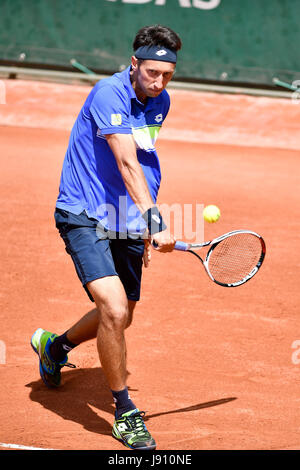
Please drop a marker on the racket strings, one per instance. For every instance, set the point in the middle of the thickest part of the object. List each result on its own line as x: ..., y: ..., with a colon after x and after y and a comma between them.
x: 234, y: 258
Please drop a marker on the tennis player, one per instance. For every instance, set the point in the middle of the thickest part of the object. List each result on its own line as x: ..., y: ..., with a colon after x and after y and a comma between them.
x: 107, y: 215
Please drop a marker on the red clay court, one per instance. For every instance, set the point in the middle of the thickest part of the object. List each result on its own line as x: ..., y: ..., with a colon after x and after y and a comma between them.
x: 214, y: 368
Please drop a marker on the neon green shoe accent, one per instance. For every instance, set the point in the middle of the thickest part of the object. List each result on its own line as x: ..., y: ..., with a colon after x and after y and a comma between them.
x: 41, y: 341
x: 130, y: 429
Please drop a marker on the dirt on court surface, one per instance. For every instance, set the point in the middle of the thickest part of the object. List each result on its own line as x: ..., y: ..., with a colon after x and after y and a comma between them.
x: 214, y: 368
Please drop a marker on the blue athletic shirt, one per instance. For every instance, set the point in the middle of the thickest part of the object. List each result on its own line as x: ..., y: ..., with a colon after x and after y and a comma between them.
x: 90, y: 178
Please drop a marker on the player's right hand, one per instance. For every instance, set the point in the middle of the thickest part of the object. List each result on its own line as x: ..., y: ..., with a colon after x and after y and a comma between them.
x: 163, y: 241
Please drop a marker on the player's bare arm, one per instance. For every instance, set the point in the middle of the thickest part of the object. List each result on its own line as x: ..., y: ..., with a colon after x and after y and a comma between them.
x: 124, y: 150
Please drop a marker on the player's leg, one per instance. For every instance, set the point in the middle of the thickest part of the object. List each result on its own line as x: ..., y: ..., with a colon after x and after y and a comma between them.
x: 92, y: 260
x: 53, y: 348
x: 114, y: 316
x: 87, y: 327
x: 57, y: 346
x: 113, y: 312
x: 129, y: 427
x: 84, y: 329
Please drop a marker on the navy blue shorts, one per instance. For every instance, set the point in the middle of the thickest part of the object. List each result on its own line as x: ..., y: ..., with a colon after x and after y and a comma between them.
x: 95, y: 258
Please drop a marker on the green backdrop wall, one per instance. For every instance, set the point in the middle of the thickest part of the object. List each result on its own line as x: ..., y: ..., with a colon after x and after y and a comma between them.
x: 247, y: 41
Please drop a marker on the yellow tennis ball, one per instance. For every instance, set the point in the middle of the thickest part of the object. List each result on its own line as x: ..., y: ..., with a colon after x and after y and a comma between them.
x: 211, y: 213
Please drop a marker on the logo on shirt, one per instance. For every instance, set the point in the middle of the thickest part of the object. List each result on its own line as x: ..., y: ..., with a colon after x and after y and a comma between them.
x: 116, y: 119
x: 158, y: 117
x: 161, y: 52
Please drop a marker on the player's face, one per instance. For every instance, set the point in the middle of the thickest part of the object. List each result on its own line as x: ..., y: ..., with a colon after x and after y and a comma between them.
x: 150, y: 77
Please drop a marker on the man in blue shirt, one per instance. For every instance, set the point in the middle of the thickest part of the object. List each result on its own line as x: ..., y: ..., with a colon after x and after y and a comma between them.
x: 106, y: 214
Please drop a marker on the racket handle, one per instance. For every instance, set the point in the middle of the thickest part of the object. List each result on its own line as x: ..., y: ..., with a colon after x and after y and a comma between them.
x: 181, y: 246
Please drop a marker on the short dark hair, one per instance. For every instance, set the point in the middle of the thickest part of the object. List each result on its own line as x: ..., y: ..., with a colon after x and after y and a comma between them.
x: 157, y: 35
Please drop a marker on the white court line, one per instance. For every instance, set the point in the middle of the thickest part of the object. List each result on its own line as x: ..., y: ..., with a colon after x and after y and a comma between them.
x: 21, y: 447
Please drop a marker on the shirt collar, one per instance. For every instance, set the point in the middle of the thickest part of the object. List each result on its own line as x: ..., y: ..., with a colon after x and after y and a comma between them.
x: 127, y: 83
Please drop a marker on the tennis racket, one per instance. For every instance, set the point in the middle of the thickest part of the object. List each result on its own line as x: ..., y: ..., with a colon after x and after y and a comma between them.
x: 232, y: 259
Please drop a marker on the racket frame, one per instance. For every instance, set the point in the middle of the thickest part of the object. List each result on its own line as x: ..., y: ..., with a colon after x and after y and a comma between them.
x: 190, y: 247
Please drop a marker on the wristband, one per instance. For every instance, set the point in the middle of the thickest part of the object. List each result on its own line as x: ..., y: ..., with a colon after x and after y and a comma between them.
x: 154, y: 220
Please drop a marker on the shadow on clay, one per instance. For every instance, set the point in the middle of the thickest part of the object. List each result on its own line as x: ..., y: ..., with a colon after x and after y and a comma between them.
x: 85, y: 391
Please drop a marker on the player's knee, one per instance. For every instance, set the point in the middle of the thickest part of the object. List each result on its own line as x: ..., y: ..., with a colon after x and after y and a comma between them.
x: 115, y: 317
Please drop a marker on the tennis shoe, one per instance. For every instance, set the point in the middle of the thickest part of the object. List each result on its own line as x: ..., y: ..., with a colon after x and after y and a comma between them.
x: 41, y: 341
x: 130, y: 429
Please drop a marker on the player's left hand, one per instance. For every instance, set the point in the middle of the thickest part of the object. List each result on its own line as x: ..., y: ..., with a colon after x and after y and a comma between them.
x: 147, y: 253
